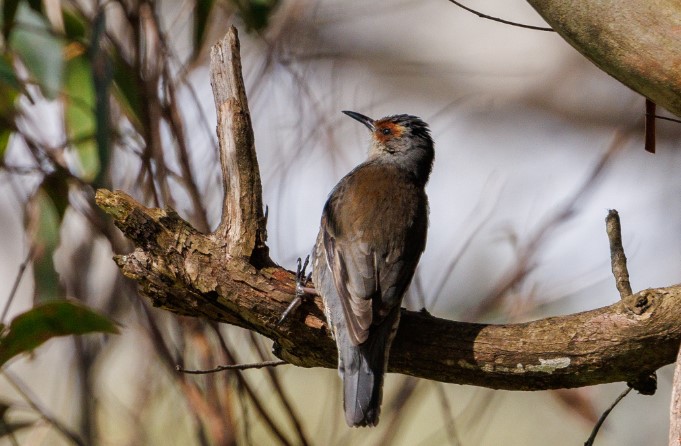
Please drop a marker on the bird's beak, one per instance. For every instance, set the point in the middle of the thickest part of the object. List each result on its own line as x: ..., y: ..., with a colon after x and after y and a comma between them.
x: 361, y: 118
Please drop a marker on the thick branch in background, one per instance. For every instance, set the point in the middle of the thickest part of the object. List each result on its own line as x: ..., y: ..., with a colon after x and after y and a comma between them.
x: 216, y: 277
x: 638, y: 42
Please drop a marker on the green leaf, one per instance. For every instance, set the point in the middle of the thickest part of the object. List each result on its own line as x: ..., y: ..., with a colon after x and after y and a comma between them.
x: 4, y: 142
x: 79, y: 114
x: 126, y: 91
x: 74, y: 25
x: 58, y: 318
x: 102, y: 75
x: 40, y: 51
x: 36, y: 5
x: 10, y: 86
x: 56, y: 186
x: 9, y: 10
x: 7, y: 75
x: 43, y: 220
x: 256, y: 13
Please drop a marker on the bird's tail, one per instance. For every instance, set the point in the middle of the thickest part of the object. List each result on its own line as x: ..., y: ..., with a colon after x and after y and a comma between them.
x: 362, y: 368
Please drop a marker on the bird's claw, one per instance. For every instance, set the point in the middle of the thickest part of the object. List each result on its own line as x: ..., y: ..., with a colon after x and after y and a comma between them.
x: 301, y: 278
x: 301, y: 281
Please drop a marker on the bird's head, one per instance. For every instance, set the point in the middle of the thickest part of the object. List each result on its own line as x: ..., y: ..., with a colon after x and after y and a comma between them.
x: 401, y: 139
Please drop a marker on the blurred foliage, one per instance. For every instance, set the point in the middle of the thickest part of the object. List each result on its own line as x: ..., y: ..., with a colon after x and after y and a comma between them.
x: 44, y: 214
x: 32, y: 40
x: 255, y: 13
x: 81, y: 84
x: 201, y: 18
x: 80, y: 112
x: 8, y: 427
x: 104, y: 73
x: 10, y: 88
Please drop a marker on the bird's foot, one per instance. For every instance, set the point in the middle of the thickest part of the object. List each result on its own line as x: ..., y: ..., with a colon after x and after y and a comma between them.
x: 301, y: 290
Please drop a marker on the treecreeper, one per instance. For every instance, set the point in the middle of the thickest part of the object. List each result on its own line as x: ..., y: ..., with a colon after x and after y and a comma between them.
x: 372, y: 233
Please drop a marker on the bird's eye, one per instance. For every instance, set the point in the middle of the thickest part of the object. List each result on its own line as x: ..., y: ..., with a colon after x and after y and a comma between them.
x: 386, y: 131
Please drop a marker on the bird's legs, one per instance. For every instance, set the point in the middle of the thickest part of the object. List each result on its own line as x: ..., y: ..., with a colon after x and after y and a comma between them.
x: 301, y: 290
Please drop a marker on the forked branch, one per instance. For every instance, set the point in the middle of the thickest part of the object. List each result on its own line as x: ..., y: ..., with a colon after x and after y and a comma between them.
x: 228, y: 277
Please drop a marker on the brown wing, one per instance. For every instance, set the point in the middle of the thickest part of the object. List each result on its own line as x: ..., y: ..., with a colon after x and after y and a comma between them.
x: 371, y: 272
x: 355, y: 278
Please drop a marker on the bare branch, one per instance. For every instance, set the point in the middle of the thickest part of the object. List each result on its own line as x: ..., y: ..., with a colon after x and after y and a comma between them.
x: 635, y: 42
x: 228, y: 277
x: 192, y: 274
x: 525, y: 258
x: 496, y: 19
x: 220, y: 368
x: 646, y: 384
x: 664, y: 118
x: 15, y: 285
x: 617, y: 258
x: 597, y: 427
x: 242, y: 225
x: 32, y: 401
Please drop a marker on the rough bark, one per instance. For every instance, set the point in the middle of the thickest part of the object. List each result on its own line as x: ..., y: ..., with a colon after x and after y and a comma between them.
x: 227, y: 276
x: 638, y: 42
x: 243, y: 224
x: 188, y: 273
x: 675, y: 409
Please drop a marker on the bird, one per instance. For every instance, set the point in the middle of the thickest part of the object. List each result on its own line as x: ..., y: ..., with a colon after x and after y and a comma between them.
x: 372, y: 232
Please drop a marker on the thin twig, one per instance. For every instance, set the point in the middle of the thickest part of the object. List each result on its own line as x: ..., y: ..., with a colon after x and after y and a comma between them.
x: 398, y: 408
x: 525, y: 262
x: 174, y: 120
x: 617, y: 258
x: 189, y: 390
x: 496, y: 19
x: 220, y: 368
x: 449, y: 419
x: 476, y: 416
x: 17, y: 281
x: 279, y: 390
x: 258, y: 405
x: 468, y: 240
x: 25, y: 393
x: 664, y: 118
x: 594, y: 432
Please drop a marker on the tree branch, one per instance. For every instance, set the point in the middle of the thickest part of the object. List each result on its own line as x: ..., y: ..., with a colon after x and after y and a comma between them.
x: 228, y: 277
x: 636, y: 42
x: 189, y: 273
x: 618, y: 260
x: 675, y: 409
x: 243, y: 224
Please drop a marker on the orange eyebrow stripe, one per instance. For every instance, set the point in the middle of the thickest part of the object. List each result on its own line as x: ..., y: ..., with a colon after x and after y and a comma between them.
x: 396, y: 131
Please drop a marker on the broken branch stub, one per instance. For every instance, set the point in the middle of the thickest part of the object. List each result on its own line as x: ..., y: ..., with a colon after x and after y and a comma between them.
x: 242, y: 226
x: 189, y: 273
x: 215, y: 276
